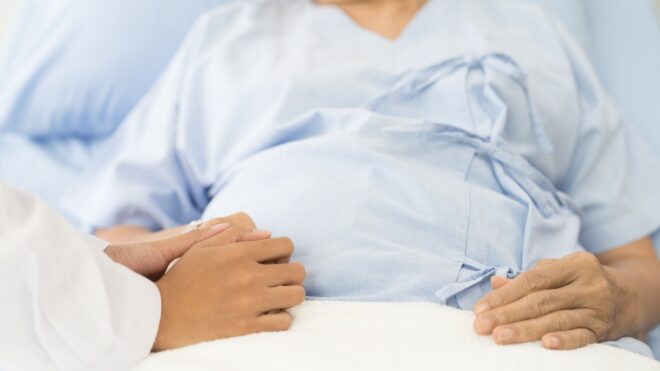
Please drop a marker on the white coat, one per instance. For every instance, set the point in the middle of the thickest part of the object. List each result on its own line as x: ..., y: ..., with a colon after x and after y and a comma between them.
x: 65, y: 304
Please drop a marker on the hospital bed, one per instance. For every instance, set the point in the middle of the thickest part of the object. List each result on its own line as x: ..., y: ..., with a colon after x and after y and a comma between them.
x: 329, y: 335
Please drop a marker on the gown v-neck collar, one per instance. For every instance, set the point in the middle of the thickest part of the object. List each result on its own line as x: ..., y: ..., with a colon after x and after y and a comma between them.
x: 342, y: 25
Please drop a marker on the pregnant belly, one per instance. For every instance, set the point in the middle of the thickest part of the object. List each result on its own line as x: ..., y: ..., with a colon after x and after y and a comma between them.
x: 368, y: 224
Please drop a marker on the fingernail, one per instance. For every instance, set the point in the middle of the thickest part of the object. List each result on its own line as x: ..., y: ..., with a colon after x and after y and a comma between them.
x: 220, y: 227
x: 505, y: 335
x: 481, y: 308
x: 484, y: 325
x: 552, y: 342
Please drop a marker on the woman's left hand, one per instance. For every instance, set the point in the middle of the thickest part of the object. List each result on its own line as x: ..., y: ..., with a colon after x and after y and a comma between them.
x: 566, y: 303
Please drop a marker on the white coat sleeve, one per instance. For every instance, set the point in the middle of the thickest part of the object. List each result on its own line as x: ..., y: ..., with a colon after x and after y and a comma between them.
x: 65, y: 305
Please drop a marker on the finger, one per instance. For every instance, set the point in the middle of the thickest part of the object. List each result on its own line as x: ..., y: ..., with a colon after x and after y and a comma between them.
x: 534, y: 305
x: 175, y: 247
x: 545, y: 277
x: 497, y: 282
x: 233, y: 235
x: 269, y: 250
x: 543, y: 262
x: 535, y: 329
x: 284, y: 274
x: 240, y: 219
x: 279, y: 321
x: 571, y: 339
x: 282, y: 297
x: 256, y: 235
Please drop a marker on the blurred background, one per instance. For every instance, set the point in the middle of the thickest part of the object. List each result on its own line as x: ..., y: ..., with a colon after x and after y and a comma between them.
x: 7, y: 10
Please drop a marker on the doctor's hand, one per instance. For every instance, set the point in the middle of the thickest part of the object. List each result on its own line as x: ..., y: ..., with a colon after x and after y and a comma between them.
x: 221, y: 291
x: 566, y: 303
x: 151, y: 258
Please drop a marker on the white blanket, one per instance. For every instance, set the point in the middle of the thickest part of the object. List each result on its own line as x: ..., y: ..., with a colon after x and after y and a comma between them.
x: 385, y: 336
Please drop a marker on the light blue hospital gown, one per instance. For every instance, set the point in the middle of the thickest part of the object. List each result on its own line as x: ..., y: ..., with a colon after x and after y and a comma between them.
x: 413, y: 170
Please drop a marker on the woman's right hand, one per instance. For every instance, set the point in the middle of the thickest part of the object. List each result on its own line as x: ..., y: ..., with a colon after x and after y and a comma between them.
x: 219, y: 290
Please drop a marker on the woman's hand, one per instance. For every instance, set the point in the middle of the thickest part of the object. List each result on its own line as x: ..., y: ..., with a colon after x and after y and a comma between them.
x: 566, y: 303
x: 220, y: 291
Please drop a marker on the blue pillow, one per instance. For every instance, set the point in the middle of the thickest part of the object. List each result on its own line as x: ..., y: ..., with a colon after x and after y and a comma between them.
x: 78, y: 67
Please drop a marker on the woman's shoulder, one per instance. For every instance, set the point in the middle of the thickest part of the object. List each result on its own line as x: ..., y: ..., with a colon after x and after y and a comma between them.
x: 242, y: 26
x: 254, y: 15
x: 512, y: 21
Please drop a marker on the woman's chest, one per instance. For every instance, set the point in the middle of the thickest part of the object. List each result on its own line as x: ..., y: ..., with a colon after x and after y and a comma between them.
x: 484, y: 81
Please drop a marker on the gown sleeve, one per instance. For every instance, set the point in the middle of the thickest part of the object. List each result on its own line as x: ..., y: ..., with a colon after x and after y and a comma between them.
x: 65, y: 304
x: 614, y: 175
x: 139, y: 179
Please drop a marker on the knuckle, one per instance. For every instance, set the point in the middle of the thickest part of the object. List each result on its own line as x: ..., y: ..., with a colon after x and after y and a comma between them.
x: 234, y: 232
x: 242, y: 219
x: 558, y: 323
x: 543, y: 302
x: 526, y: 332
x: 283, y: 321
x: 604, y: 292
x: 500, y: 317
x: 286, y: 243
x: 589, y: 337
x: 532, y: 307
x: 298, y: 294
x: 245, y: 302
x: 299, y: 272
x: 600, y: 329
x: 243, y: 278
x: 586, y: 259
x: 531, y: 281
x: 564, y: 321
x: 238, y: 252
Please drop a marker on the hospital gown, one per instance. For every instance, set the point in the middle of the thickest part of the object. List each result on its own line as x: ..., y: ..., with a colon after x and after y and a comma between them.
x: 65, y: 304
x: 477, y: 143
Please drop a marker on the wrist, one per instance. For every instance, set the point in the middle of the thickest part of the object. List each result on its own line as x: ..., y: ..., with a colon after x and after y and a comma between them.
x: 630, y: 315
x: 159, y: 338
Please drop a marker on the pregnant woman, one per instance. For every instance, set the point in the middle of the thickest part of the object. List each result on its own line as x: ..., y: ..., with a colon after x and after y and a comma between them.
x: 455, y: 152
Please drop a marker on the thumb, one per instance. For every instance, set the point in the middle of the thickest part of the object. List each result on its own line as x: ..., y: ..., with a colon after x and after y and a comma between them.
x: 175, y: 247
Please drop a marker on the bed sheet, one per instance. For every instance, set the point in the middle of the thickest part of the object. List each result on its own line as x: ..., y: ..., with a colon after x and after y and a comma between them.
x: 385, y: 336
